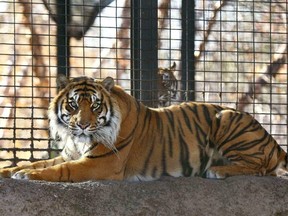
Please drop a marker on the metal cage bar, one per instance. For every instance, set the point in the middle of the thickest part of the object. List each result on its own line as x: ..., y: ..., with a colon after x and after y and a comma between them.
x: 187, y: 50
x: 144, y: 53
x: 63, y: 39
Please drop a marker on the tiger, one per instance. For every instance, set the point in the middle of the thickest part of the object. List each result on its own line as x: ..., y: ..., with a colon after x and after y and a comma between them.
x: 168, y: 85
x: 108, y: 135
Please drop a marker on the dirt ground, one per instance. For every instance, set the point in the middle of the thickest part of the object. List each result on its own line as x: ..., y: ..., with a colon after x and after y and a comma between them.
x: 241, y: 196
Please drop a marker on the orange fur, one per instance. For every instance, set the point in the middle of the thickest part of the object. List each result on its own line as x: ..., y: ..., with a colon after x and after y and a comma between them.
x: 191, y: 139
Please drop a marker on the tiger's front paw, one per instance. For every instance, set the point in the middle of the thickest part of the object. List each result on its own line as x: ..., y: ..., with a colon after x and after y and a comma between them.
x: 26, y: 174
x: 8, y: 172
x: 5, y: 173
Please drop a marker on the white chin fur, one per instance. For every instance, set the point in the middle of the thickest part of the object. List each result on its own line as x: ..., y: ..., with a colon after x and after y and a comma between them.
x: 82, y: 139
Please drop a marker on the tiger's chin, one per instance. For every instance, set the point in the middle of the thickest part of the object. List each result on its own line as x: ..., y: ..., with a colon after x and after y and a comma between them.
x: 82, y: 138
x: 103, y: 135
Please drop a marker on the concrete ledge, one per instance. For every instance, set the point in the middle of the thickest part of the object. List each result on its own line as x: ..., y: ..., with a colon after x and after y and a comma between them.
x: 239, y: 196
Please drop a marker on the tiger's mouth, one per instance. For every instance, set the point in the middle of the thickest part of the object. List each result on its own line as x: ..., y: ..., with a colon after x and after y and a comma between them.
x: 80, y: 133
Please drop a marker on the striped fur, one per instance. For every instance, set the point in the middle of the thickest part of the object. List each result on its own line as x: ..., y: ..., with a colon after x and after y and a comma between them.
x: 168, y: 86
x: 107, y: 134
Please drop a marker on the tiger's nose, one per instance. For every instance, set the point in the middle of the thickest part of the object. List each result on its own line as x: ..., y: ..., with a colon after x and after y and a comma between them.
x: 83, y: 125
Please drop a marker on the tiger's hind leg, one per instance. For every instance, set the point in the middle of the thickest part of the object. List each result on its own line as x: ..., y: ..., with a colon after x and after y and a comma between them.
x: 221, y: 172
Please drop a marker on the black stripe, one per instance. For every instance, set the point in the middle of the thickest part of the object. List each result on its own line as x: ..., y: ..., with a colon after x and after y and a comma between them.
x: 180, y: 129
x: 61, y: 173
x: 170, y: 117
x: 164, y: 167
x: 159, y: 124
x: 85, y: 92
x: 237, y: 117
x: 232, y: 133
x: 147, y: 119
x: 204, y: 159
x: 270, y: 139
x: 68, y: 172
x: 56, y: 110
x: 94, y: 145
x: 244, y: 145
x: 170, y: 142
x: 102, y: 98
x: 84, y: 86
x: 271, y: 153
x: 154, y: 172
x: 218, y: 108
x: 194, y: 108
x: 186, y: 119
x: 108, y: 153
x: 200, y: 135
x: 111, y: 108
x: 68, y: 154
x: 146, y: 163
x: 238, y: 134
x: 239, y: 157
x: 216, y: 129
x: 251, y: 162
x: 207, y: 115
x: 184, y: 158
x: 272, y: 168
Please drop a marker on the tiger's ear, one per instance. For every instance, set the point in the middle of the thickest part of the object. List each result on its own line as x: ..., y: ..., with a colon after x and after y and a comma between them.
x: 173, y: 67
x: 108, y: 83
x: 61, y: 81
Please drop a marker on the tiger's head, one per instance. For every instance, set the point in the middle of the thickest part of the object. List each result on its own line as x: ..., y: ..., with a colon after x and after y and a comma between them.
x: 84, y: 111
x: 166, y: 76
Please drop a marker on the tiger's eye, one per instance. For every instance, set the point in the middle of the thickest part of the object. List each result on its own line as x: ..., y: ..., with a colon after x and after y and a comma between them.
x: 73, y: 104
x: 95, y: 106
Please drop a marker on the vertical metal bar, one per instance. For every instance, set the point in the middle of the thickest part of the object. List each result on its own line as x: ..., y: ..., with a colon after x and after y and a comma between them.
x: 149, y: 51
x: 144, y: 53
x: 63, y: 45
x: 13, y: 73
x: 187, y: 49
x: 135, y: 48
x: 286, y: 82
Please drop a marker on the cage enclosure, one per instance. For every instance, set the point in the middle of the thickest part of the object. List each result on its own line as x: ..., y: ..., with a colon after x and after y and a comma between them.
x: 232, y: 53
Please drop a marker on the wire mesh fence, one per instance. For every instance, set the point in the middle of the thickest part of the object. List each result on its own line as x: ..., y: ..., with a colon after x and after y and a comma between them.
x: 232, y: 53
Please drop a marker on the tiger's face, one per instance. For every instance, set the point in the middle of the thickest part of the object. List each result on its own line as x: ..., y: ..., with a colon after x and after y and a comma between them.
x: 85, y: 112
x: 167, y: 76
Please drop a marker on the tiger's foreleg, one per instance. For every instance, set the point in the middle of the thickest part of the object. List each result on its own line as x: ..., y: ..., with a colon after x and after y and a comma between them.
x: 9, y: 172
x: 74, y: 171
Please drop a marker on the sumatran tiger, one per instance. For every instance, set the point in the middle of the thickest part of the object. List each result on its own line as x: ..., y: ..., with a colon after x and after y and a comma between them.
x: 168, y: 85
x: 109, y: 135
